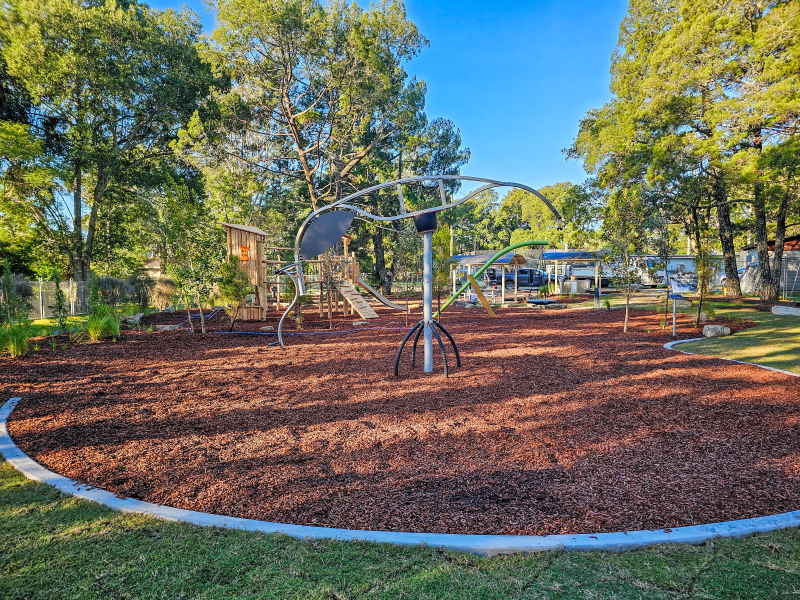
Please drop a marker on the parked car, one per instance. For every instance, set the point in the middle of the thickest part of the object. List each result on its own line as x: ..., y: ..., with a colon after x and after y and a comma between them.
x: 526, y: 278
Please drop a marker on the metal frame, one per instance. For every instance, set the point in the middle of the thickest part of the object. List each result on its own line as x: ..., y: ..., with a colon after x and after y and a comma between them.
x: 427, y: 326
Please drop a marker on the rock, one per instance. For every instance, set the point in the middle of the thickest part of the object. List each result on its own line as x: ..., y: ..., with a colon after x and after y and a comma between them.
x: 464, y: 304
x: 786, y: 310
x: 556, y: 305
x: 133, y: 319
x: 168, y: 310
x: 703, y: 317
x: 267, y: 328
x: 716, y: 331
x: 360, y: 322
x: 683, y: 304
x: 167, y: 327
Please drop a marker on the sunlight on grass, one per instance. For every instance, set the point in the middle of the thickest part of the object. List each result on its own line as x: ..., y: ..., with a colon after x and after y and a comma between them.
x: 775, y: 342
x: 54, y: 546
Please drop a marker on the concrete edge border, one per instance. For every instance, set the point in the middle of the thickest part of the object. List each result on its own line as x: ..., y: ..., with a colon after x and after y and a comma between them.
x: 487, y: 545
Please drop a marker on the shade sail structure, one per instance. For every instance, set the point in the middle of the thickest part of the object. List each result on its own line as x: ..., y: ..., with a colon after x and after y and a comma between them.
x: 512, y: 258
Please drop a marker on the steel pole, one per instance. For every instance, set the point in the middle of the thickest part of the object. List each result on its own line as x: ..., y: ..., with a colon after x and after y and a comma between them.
x: 427, y: 299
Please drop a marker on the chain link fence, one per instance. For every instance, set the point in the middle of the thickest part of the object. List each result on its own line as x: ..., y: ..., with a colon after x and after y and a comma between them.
x: 44, y: 298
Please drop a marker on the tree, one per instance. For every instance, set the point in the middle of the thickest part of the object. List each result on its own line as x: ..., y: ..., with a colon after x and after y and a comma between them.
x: 316, y: 88
x: 115, y: 82
x: 190, y: 246
x: 233, y: 287
x: 625, y: 226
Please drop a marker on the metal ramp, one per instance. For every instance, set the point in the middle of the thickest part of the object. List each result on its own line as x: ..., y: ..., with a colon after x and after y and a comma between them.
x: 356, y: 300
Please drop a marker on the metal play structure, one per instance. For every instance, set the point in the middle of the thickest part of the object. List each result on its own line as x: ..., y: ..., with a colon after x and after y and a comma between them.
x: 471, y: 279
x: 322, y: 229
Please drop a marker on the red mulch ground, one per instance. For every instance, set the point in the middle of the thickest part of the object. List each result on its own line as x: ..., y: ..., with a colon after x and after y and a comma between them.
x: 556, y: 423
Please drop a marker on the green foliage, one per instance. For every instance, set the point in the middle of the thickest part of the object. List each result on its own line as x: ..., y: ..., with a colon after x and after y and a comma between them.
x: 15, y: 297
x: 711, y: 311
x: 233, y: 286
x: 190, y: 246
x: 111, y: 83
x: 60, y: 308
x: 14, y: 339
x: 99, y: 326
x: 95, y: 301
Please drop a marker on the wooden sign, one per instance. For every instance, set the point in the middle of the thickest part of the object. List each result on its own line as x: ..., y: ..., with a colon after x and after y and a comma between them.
x: 244, y: 253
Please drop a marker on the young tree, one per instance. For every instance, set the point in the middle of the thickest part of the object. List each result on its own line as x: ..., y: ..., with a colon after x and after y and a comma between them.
x: 60, y: 309
x: 190, y: 247
x: 233, y: 286
x: 625, y: 226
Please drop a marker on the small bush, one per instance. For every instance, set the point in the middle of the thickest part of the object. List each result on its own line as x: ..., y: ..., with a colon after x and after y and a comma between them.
x: 99, y: 326
x: 14, y: 340
x: 113, y: 290
x: 15, y: 297
x: 607, y: 303
x: 162, y: 292
x: 711, y: 312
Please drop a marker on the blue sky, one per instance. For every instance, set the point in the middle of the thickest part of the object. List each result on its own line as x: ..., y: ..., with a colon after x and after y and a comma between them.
x: 515, y: 77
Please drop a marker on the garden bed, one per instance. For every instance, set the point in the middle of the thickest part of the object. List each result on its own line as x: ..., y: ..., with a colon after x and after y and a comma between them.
x: 556, y: 423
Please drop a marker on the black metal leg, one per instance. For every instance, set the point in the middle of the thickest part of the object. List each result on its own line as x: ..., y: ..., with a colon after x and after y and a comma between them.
x: 421, y: 326
x: 452, y: 341
x: 402, y: 345
x: 441, y: 347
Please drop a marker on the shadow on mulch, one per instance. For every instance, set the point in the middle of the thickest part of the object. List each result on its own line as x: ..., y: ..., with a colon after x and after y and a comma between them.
x: 556, y: 423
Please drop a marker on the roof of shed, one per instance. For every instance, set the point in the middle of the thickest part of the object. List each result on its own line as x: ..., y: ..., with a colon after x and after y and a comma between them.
x: 568, y: 255
x: 247, y: 228
x: 510, y: 258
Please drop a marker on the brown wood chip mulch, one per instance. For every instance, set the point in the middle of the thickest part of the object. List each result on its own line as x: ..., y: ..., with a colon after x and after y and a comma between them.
x: 556, y: 423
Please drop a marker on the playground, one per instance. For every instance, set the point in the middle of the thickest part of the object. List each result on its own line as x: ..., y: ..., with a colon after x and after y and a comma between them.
x: 547, y: 430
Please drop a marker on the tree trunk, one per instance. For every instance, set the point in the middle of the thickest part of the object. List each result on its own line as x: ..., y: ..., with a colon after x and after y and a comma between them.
x: 732, y: 287
x: 385, y: 274
x: 770, y: 288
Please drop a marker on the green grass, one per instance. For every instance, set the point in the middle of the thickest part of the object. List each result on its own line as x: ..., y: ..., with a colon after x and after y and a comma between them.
x: 775, y: 342
x: 54, y: 546
x: 45, y: 327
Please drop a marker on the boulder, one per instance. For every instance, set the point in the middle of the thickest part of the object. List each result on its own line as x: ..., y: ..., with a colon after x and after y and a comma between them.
x: 133, y: 319
x: 167, y: 327
x: 464, y: 304
x: 683, y: 304
x: 716, y: 331
x: 168, y: 310
x: 268, y: 328
x: 359, y: 323
x: 786, y: 310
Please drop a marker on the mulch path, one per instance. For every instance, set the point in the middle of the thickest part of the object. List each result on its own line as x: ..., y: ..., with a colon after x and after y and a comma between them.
x: 557, y: 423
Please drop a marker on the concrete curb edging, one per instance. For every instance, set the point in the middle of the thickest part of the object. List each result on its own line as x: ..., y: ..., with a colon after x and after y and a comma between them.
x: 487, y: 545
x: 671, y: 346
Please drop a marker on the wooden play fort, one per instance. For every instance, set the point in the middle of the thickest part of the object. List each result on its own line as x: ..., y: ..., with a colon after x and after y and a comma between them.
x: 260, y: 261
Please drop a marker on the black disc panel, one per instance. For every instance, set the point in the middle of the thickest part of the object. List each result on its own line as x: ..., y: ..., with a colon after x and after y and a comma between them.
x: 323, y: 232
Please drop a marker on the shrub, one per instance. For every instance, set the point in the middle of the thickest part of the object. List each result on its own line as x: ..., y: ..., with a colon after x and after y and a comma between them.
x: 99, y: 326
x: 162, y: 292
x: 141, y: 287
x: 60, y: 310
x: 14, y: 339
x: 711, y: 312
x: 15, y: 297
x: 113, y: 290
x: 607, y: 303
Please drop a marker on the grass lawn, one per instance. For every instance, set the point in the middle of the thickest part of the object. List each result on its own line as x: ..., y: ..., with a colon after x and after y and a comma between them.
x: 54, y: 546
x: 775, y: 342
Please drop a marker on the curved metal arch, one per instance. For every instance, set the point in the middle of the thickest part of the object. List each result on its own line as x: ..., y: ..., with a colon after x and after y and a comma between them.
x: 343, y: 203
